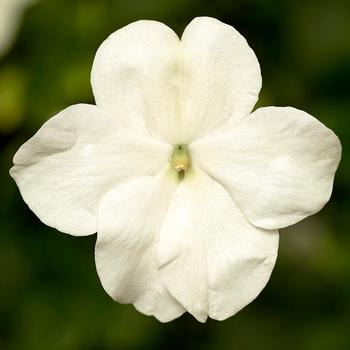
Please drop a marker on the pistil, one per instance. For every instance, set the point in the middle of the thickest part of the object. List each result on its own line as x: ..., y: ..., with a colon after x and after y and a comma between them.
x: 180, y: 159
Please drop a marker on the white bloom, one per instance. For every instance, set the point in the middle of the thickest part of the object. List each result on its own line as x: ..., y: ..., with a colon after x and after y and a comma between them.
x: 185, y: 187
x: 11, y: 12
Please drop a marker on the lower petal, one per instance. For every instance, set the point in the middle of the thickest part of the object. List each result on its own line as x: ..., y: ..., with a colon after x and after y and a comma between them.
x: 212, y: 260
x: 128, y: 224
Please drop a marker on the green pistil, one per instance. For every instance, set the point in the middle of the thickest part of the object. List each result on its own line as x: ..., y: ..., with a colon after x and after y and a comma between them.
x: 180, y: 159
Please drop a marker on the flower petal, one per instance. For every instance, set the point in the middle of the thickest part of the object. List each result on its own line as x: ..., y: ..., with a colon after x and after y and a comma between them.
x: 11, y: 12
x: 135, y: 70
x: 75, y: 157
x: 212, y: 260
x: 177, y: 91
x: 128, y: 226
x: 221, y: 76
x: 278, y: 164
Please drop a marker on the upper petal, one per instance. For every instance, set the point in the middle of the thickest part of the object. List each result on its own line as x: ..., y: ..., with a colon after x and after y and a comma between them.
x: 67, y: 166
x: 212, y: 260
x: 135, y: 70
x: 177, y: 91
x: 278, y: 164
x: 128, y: 227
x: 221, y: 77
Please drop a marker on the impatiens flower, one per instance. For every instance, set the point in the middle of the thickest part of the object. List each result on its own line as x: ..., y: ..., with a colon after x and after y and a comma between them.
x: 184, y: 185
x: 11, y: 12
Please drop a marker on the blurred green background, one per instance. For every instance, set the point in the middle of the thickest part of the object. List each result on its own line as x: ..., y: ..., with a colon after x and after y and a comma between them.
x: 50, y: 295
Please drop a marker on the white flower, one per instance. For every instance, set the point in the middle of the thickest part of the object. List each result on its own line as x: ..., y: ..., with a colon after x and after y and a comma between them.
x: 11, y: 12
x: 184, y: 186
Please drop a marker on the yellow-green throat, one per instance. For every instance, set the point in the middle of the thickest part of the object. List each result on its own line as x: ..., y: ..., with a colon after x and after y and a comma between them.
x: 180, y: 159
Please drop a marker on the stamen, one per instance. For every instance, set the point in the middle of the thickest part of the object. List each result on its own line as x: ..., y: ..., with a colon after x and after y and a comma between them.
x: 180, y: 159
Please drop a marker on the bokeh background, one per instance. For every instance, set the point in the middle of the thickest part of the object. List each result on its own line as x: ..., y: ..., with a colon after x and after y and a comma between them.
x: 50, y: 295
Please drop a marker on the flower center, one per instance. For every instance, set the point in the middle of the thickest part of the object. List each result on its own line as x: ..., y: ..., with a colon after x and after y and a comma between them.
x: 180, y: 159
